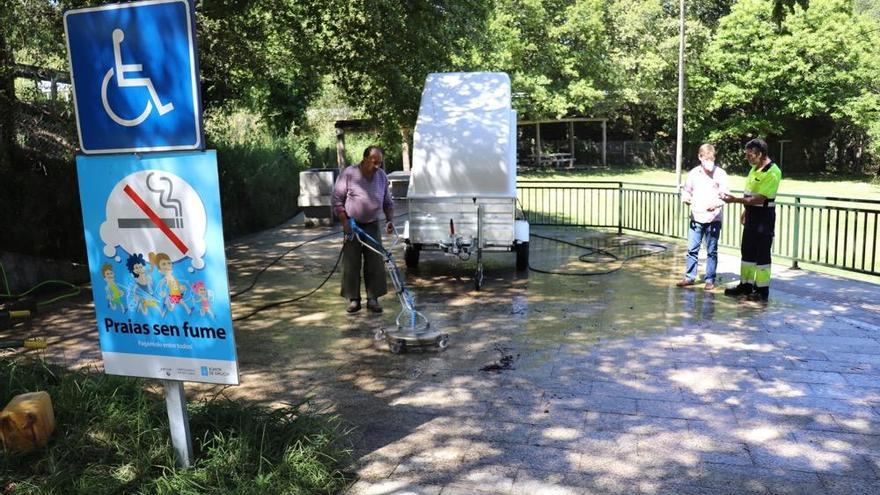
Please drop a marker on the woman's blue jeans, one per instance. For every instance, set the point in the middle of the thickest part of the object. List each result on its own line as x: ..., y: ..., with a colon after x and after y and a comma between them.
x: 697, y: 232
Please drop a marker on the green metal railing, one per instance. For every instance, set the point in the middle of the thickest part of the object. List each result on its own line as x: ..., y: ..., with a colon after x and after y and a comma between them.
x: 829, y: 231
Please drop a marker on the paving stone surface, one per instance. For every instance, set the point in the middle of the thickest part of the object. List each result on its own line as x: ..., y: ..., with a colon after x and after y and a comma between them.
x: 617, y: 383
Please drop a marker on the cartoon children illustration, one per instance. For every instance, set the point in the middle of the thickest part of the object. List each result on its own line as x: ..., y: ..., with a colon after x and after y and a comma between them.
x: 204, y: 297
x: 169, y: 285
x: 140, y: 294
x: 114, y: 294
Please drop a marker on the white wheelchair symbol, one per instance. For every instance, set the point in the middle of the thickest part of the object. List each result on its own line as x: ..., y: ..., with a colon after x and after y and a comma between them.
x: 120, y: 69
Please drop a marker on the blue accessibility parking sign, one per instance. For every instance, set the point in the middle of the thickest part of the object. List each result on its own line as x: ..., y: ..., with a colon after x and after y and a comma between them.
x: 135, y: 77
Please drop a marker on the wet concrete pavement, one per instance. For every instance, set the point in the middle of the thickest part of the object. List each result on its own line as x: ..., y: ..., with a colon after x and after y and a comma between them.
x: 609, y: 384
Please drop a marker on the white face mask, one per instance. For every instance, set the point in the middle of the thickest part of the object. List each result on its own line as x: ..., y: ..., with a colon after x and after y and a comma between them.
x: 708, y: 165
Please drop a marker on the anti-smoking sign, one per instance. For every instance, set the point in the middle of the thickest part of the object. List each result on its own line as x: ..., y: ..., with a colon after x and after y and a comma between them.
x: 158, y: 267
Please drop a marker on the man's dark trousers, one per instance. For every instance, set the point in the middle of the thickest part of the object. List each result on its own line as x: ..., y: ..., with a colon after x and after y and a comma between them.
x: 374, y: 268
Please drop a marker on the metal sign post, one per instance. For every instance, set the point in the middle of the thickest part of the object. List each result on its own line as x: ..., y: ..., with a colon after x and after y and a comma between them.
x: 178, y: 421
x: 679, y: 134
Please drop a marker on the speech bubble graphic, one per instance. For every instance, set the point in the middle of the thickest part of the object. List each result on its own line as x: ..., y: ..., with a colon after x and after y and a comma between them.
x: 156, y: 211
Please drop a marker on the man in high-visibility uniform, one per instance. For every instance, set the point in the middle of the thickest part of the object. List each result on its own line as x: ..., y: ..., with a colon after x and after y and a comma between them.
x: 758, y: 219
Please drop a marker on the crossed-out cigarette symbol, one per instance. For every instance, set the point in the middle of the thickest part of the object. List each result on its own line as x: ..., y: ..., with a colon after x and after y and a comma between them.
x: 153, y: 220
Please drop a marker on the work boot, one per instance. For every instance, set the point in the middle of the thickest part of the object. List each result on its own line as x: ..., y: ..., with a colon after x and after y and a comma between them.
x: 373, y: 305
x: 354, y: 305
x: 739, y: 290
x: 684, y: 283
x: 761, y: 294
x: 710, y: 285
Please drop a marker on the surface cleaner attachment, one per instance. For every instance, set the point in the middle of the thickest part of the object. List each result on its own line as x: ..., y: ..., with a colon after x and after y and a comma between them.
x: 413, y: 328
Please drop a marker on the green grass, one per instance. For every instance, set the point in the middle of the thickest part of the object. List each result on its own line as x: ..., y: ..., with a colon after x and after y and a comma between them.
x: 819, y: 185
x: 112, y: 438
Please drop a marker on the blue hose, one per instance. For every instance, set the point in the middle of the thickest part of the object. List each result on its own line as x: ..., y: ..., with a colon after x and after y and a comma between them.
x: 359, y: 231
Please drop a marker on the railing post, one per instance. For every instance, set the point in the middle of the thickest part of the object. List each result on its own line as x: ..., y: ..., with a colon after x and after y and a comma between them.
x: 620, y: 208
x: 797, y: 229
x: 676, y: 215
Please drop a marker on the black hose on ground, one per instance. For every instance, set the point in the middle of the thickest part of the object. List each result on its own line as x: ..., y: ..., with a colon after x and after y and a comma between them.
x: 295, y: 299
x: 279, y: 258
x: 276, y: 260
x: 599, y: 255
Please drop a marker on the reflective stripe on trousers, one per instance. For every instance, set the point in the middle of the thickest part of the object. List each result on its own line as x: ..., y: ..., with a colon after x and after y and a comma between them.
x: 756, y: 257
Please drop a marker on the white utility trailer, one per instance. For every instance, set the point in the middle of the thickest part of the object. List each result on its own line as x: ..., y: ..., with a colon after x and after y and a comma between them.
x: 462, y: 189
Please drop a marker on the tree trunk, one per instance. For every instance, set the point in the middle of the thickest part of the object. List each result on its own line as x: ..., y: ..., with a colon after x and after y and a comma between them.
x: 8, y: 104
x: 404, y: 148
x: 340, y: 149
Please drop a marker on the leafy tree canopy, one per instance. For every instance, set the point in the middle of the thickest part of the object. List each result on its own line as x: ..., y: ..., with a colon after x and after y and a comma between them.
x: 644, y: 57
x: 556, y: 52
x: 261, y: 54
x: 378, y: 52
x: 822, y: 63
x: 782, y: 7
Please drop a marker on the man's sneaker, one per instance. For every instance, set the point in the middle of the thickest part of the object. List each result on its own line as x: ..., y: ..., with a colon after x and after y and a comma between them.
x: 373, y: 305
x: 354, y: 306
x: 684, y: 283
x: 739, y: 290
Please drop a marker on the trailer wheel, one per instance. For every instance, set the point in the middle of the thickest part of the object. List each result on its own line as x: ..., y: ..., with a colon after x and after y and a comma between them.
x: 522, y: 256
x: 411, y: 256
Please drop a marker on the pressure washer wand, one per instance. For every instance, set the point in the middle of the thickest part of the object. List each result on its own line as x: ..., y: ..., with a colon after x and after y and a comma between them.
x: 417, y: 321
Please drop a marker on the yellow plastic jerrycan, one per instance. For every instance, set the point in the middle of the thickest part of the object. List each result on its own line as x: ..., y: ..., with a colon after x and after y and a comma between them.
x: 27, y: 422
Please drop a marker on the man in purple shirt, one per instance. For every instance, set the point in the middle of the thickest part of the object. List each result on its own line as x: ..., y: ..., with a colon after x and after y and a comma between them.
x: 361, y: 192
